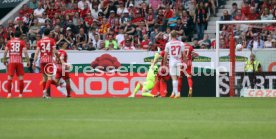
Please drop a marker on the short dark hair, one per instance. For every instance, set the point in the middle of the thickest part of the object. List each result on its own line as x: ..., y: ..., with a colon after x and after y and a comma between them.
x: 234, y: 4
x: 17, y: 34
x: 47, y: 31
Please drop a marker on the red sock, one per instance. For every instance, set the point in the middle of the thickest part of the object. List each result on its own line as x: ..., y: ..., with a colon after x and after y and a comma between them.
x: 21, y: 86
x: 68, y: 89
x: 43, y: 85
x: 9, y: 86
x: 179, y: 84
x: 163, y: 88
x: 190, y: 82
x: 48, y: 84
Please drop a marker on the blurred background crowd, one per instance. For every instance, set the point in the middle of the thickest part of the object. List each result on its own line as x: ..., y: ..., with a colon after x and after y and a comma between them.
x: 141, y: 24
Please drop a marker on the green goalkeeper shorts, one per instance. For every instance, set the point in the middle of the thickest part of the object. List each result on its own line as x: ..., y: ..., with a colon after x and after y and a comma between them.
x: 148, y: 85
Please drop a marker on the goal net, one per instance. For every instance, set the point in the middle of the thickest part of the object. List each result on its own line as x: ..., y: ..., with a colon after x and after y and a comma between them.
x: 245, y: 57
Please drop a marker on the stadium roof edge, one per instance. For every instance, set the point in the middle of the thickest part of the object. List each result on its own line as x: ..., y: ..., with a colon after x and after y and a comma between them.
x: 13, y: 13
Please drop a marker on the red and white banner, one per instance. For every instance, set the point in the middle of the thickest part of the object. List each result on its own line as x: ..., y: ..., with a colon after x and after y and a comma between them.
x: 259, y: 93
x: 82, y: 85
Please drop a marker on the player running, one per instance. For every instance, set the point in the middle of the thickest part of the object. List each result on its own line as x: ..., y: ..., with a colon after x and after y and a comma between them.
x: 175, y: 50
x: 188, y: 62
x: 46, y: 47
x: 14, y: 48
x: 148, y: 84
x: 62, y: 70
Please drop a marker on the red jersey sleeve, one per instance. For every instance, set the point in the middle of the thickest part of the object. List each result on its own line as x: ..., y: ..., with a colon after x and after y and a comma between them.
x: 23, y: 44
x: 53, y: 43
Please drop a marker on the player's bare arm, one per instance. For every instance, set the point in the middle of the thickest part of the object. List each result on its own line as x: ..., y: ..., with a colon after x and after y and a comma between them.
x: 5, y: 56
x: 36, y: 56
x: 56, y: 53
x: 165, y: 58
x: 25, y: 51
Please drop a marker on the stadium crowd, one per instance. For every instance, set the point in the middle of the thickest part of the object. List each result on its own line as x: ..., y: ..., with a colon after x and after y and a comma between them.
x: 139, y: 24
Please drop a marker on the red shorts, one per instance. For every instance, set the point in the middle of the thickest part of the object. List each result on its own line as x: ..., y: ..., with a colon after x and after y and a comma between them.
x: 61, y: 73
x: 47, y: 68
x: 15, y: 67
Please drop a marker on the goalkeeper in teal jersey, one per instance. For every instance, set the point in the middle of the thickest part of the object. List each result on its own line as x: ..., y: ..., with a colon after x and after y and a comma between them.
x: 148, y: 84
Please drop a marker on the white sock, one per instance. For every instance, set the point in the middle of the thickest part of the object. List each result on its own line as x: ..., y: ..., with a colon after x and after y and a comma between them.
x: 175, y: 85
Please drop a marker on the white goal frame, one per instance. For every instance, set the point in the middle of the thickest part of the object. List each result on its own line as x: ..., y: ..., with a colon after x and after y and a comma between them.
x: 218, y: 23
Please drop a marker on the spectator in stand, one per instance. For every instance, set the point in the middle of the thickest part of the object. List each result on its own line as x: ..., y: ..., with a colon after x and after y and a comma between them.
x: 150, y: 16
x: 81, y: 4
x: 160, y: 20
x: 155, y: 4
x: 3, y: 33
x: 128, y: 44
x: 70, y: 37
x: 179, y: 28
x: 154, y: 33
x: 57, y: 33
x: 253, y: 15
x: 129, y: 28
x: 125, y: 18
x: 226, y: 16
x: 206, y: 42
x: 95, y: 10
x: 173, y: 21
x: 33, y: 4
x: 196, y: 44
x: 268, y: 42
x: 120, y: 36
x: 2, y: 43
x: 77, y: 19
x: 239, y: 15
x: 234, y: 9
x: 200, y: 19
x: 142, y: 29
x: 111, y: 43
x: 122, y: 8
x: 38, y: 12
x: 249, y: 34
x: 107, y: 7
x: 188, y: 25
x: 245, y: 9
x: 34, y: 29
x: 256, y: 42
x: 160, y: 42
x: 238, y: 31
x: 145, y: 42
x: 20, y: 26
x: 222, y: 43
x: 266, y: 15
x: 82, y: 40
x: 213, y: 7
x: 97, y: 42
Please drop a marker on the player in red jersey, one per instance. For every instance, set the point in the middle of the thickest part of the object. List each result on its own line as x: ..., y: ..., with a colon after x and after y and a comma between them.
x: 46, y: 47
x: 15, y: 47
x: 162, y: 75
x: 188, y: 71
x: 62, y: 69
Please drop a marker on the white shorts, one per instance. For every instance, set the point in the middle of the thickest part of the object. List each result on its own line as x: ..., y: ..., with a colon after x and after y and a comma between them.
x: 175, y: 69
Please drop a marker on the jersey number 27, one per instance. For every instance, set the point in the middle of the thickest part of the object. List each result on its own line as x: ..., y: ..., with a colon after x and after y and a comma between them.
x: 175, y: 50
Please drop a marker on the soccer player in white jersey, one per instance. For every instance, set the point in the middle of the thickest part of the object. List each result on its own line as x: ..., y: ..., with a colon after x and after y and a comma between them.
x: 174, y: 51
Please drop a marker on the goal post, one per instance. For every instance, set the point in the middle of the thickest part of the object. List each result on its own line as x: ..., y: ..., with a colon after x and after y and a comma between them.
x: 232, y: 51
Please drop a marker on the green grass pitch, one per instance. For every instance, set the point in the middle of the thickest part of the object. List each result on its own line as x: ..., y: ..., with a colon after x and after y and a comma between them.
x: 142, y: 118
